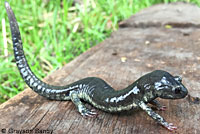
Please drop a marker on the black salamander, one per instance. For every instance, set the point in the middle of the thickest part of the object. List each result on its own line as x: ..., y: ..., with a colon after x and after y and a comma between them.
x: 97, y: 92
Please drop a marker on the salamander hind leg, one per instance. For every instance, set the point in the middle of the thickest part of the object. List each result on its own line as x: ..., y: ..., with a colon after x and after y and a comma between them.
x: 85, y: 112
x: 157, y: 117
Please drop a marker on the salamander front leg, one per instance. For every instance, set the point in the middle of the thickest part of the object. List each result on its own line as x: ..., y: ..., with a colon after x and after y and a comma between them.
x: 157, y: 105
x: 81, y: 108
x: 156, y: 117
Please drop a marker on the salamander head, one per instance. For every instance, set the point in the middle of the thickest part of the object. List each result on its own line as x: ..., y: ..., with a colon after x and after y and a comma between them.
x: 167, y: 86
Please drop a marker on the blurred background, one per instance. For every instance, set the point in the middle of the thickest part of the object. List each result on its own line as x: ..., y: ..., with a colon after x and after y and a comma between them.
x: 56, y: 31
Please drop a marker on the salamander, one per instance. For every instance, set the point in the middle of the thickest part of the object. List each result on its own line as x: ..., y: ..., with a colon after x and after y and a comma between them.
x: 97, y: 92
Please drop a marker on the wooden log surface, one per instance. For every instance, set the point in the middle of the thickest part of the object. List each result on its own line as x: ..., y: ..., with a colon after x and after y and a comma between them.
x: 142, y: 44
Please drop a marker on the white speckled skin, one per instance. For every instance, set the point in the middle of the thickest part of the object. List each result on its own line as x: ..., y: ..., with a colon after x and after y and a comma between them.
x: 96, y: 91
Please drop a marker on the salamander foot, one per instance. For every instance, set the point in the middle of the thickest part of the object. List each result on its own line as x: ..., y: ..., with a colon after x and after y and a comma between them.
x: 162, y: 108
x: 170, y: 127
x: 87, y: 113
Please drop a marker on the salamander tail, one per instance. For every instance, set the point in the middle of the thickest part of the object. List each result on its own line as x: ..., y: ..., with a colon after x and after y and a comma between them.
x: 40, y: 87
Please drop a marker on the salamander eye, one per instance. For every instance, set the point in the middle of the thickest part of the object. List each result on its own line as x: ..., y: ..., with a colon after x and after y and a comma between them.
x: 178, y: 90
x: 178, y: 78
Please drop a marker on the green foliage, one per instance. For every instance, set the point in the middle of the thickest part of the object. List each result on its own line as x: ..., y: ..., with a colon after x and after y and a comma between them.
x: 56, y: 31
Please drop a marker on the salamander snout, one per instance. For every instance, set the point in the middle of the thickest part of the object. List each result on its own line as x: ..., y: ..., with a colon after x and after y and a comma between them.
x: 180, y: 91
x: 171, y: 88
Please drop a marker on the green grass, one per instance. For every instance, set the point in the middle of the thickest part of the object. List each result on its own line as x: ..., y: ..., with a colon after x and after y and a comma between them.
x: 55, y: 32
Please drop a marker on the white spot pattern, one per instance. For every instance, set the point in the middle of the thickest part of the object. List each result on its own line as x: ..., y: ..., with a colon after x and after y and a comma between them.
x: 31, y: 81
x: 135, y: 90
x: 35, y: 84
x: 147, y: 86
x: 39, y: 87
x: 162, y: 82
